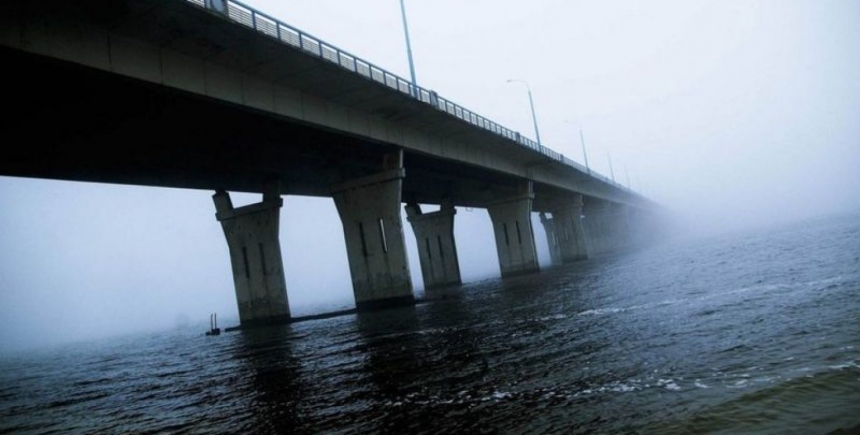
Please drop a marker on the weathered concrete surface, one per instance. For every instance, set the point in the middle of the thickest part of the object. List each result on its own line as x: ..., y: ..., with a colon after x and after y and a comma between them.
x: 619, y: 218
x: 255, y: 256
x: 567, y: 219
x: 551, y: 238
x: 369, y: 209
x: 437, y: 249
x: 608, y: 227
x: 512, y: 227
x: 597, y: 228
x: 166, y: 93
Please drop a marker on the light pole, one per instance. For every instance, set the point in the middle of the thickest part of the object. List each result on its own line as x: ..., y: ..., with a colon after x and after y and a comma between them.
x: 532, y: 105
x: 584, y: 155
x: 611, y: 171
x: 408, y: 45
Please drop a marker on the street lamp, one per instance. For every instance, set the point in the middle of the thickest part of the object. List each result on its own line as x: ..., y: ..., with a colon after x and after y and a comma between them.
x: 611, y: 171
x: 532, y: 105
x: 408, y: 45
x: 584, y: 155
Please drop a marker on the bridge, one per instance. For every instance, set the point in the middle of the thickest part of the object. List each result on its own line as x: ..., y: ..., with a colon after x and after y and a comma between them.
x: 213, y: 95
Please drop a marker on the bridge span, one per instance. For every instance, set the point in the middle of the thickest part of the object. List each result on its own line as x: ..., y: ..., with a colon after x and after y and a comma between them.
x: 213, y: 95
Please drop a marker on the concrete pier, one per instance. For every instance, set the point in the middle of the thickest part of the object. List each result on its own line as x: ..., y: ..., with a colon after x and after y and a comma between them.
x: 175, y: 94
x: 437, y: 250
x: 255, y: 256
x: 596, y: 228
x: 569, y: 231
x: 369, y: 209
x: 620, y: 223
x: 512, y: 227
x: 551, y: 238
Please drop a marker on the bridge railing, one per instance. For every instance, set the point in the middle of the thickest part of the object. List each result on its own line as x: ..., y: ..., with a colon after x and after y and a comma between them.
x: 286, y: 34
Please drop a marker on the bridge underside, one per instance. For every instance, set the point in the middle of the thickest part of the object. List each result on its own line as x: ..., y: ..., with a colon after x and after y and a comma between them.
x: 75, y: 122
x: 78, y: 123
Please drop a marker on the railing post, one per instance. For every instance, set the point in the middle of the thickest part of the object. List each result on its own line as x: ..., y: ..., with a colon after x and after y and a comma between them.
x: 223, y: 7
x: 219, y: 6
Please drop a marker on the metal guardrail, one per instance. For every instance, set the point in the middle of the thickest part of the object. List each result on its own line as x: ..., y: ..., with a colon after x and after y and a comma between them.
x: 286, y: 34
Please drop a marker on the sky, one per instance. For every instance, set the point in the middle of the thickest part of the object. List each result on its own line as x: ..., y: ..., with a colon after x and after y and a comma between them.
x: 729, y: 113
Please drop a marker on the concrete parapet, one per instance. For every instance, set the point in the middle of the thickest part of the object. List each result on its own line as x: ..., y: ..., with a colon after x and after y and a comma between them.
x: 437, y: 249
x: 369, y: 209
x: 512, y: 227
x: 255, y: 256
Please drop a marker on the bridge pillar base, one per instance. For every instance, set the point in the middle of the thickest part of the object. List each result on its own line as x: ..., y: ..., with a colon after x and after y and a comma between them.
x: 437, y: 250
x: 619, y: 215
x: 604, y: 228
x: 551, y: 238
x: 369, y: 210
x: 569, y: 231
x: 255, y: 256
x: 595, y: 227
x: 512, y: 227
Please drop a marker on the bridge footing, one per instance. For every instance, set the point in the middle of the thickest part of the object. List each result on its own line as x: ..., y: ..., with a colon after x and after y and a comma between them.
x: 512, y: 227
x: 255, y: 257
x: 620, y: 218
x: 369, y: 209
x: 437, y: 250
x: 607, y: 227
x: 567, y: 220
x: 551, y: 238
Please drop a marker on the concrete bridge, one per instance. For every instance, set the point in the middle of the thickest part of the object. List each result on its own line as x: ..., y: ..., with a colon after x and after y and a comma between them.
x: 214, y: 95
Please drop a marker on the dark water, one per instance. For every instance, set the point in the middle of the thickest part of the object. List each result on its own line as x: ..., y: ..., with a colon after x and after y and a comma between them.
x: 754, y: 332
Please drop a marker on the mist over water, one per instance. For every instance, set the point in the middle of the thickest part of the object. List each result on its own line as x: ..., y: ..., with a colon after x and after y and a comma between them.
x: 730, y: 115
x: 740, y: 119
x: 748, y: 332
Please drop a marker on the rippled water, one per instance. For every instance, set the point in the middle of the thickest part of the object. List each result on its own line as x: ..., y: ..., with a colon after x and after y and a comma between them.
x: 756, y: 332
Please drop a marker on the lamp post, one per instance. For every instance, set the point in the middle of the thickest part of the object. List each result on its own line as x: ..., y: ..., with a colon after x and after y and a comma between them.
x: 627, y: 174
x: 532, y: 105
x: 408, y: 45
x: 584, y: 155
x: 611, y: 171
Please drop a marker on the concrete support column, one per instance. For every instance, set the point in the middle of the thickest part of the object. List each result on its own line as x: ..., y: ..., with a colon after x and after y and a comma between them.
x: 437, y: 250
x: 569, y: 230
x: 369, y: 209
x: 551, y: 238
x: 596, y: 228
x: 255, y: 256
x: 512, y: 226
x: 620, y: 225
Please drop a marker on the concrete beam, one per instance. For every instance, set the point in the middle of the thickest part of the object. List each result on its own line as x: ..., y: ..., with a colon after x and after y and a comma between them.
x: 512, y: 227
x: 255, y: 256
x: 437, y: 249
x: 369, y: 209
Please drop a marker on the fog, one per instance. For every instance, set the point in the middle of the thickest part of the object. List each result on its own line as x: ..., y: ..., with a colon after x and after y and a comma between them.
x: 730, y: 114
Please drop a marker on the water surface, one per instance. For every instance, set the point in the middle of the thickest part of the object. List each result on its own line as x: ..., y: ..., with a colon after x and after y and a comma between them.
x: 754, y: 332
